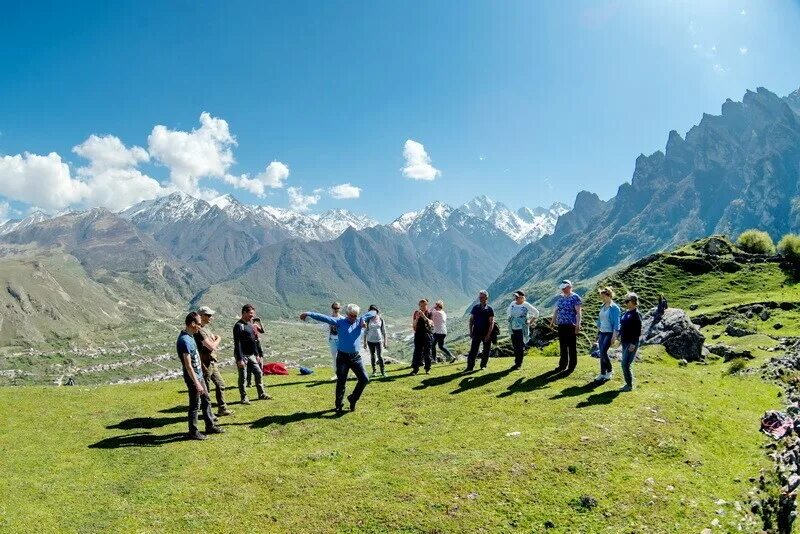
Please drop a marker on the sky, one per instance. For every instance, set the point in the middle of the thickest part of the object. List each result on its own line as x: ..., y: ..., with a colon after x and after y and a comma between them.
x: 376, y: 107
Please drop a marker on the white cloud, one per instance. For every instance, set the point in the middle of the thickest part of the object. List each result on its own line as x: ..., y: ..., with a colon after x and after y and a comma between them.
x: 719, y: 68
x: 418, y: 163
x: 5, y: 209
x: 743, y: 50
x: 202, y: 153
x: 481, y: 158
x: 274, y: 176
x: 112, y: 178
x: 344, y: 191
x: 300, y: 202
x: 743, y: 12
x: 41, y: 180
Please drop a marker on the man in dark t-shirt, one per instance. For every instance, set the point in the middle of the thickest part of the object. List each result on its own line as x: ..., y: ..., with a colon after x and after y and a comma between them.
x: 247, y: 352
x: 481, y: 323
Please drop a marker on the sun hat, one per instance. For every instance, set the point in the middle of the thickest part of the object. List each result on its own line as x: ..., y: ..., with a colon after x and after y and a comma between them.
x: 564, y: 283
x: 205, y: 310
x: 519, y: 293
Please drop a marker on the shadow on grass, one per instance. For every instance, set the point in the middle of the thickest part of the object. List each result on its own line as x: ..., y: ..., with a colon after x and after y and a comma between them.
x: 577, y: 391
x: 141, y: 439
x: 521, y: 385
x: 481, y: 380
x: 285, y: 419
x: 150, y: 422
x: 606, y: 397
x: 438, y: 380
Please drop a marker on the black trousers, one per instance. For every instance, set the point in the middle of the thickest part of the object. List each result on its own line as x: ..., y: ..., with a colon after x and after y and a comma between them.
x: 373, y: 349
x: 438, y: 341
x: 198, y: 401
x: 422, y: 353
x: 346, y: 362
x: 568, y: 343
x: 473, y: 351
x: 517, y: 341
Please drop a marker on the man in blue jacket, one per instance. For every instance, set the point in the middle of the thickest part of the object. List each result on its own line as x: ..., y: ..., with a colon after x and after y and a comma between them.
x: 347, y: 358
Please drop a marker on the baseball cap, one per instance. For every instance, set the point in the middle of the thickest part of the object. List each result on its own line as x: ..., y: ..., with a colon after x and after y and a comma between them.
x: 205, y: 310
x: 564, y: 283
x: 519, y: 293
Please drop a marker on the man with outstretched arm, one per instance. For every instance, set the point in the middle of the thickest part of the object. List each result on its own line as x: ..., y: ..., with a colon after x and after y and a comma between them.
x: 247, y: 352
x: 193, y: 376
x: 347, y: 357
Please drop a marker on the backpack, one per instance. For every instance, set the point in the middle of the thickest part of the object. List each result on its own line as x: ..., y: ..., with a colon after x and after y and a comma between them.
x: 495, y: 333
x: 275, y: 368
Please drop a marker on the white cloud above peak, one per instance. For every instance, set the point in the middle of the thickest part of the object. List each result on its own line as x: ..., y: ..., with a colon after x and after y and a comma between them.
x: 418, y: 162
x: 344, y: 191
x: 204, y: 152
x: 272, y: 177
x: 300, y: 202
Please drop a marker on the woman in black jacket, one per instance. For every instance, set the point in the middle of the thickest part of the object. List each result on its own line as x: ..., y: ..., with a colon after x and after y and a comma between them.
x: 630, y: 331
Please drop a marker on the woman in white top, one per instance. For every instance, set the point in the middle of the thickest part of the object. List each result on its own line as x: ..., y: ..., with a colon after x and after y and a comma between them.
x: 375, y: 339
x: 439, y: 318
x: 521, y: 315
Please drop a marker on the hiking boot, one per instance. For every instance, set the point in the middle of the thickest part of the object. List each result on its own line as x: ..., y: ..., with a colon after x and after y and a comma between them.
x: 264, y: 397
x: 339, y: 410
x: 626, y: 387
x: 352, y: 403
x: 245, y: 401
x: 196, y: 435
x: 215, y: 430
x: 414, y: 373
x: 224, y: 411
x: 427, y: 371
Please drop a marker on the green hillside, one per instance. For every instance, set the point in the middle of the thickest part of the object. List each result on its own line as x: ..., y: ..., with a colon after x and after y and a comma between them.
x: 421, y: 454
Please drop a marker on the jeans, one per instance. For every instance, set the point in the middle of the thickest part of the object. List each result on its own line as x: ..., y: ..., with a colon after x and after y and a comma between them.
x: 518, y: 342
x: 604, y: 343
x: 251, y: 364
x: 212, y: 375
x: 376, y: 348
x: 473, y: 351
x: 346, y: 362
x: 438, y: 340
x: 627, y: 360
x: 568, y: 343
x: 333, y: 343
x: 422, y: 353
x: 198, y: 401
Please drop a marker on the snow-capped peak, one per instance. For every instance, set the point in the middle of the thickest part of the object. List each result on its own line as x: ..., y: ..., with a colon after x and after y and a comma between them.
x: 174, y: 207
x: 524, y: 226
x: 34, y: 217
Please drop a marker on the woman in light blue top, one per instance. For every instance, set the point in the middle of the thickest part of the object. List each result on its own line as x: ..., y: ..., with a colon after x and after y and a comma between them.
x: 608, y: 331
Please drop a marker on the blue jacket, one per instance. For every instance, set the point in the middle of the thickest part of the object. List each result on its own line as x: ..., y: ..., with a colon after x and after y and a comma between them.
x: 614, y: 314
x: 349, y: 333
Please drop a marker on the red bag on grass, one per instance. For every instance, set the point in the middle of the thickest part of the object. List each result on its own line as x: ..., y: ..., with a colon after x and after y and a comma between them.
x: 275, y: 368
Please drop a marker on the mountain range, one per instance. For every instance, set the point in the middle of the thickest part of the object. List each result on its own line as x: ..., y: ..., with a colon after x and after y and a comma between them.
x: 731, y: 172
x: 177, y: 249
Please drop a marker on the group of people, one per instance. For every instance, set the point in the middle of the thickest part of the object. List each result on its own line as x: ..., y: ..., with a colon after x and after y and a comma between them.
x: 349, y: 332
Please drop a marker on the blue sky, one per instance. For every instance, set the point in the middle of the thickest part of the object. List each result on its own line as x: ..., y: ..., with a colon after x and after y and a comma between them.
x: 527, y: 102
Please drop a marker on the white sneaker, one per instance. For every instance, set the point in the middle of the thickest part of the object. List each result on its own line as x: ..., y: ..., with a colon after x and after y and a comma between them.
x: 600, y: 378
x: 609, y: 375
x: 333, y: 378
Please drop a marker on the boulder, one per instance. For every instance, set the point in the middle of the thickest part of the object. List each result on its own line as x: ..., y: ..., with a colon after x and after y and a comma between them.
x: 716, y: 246
x: 542, y: 334
x: 729, y: 353
x: 673, y: 329
x: 738, y: 331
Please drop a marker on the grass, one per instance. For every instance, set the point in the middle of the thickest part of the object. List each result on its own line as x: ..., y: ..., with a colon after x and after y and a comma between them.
x: 421, y: 454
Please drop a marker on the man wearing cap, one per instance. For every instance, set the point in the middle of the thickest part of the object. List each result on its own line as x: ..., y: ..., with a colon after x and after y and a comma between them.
x: 521, y: 315
x: 481, y: 323
x: 567, y: 318
x: 208, y: 343
x: 193, y: 377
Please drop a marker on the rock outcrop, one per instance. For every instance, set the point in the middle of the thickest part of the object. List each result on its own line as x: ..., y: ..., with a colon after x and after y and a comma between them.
x: 673, y: 329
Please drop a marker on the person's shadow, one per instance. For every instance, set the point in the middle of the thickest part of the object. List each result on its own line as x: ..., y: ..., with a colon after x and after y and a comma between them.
x: 472, y: 382
x: 140, y: 439
x: 606, y: 397
x: 149, y: 422
x: 521, y: 385
x: 437, y: 381
x: 577, y: 391
x: 285, y: 419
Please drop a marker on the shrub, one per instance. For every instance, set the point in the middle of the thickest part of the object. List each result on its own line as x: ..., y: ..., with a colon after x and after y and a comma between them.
x: 756, y: 242
x: 789, y: 246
